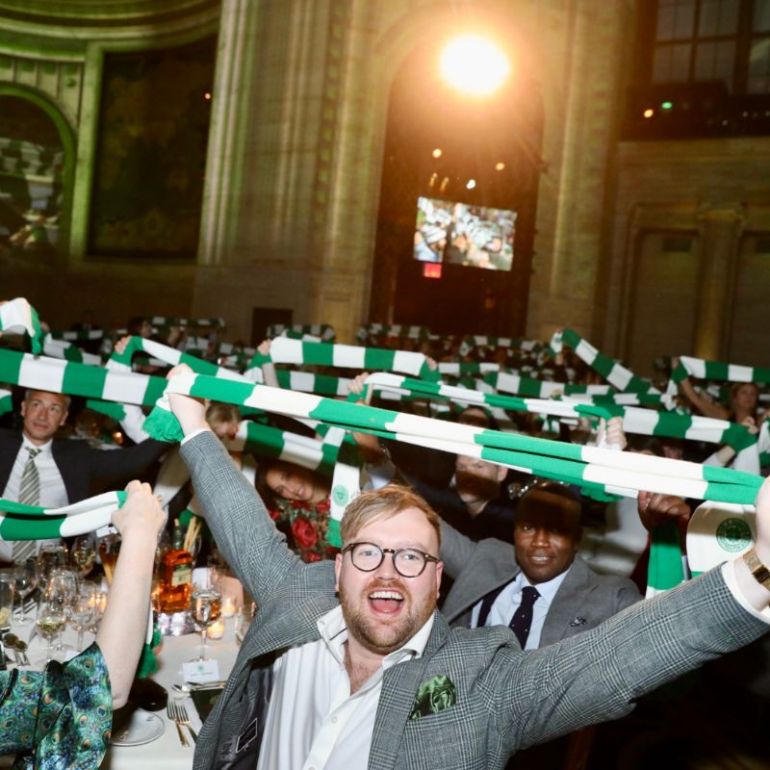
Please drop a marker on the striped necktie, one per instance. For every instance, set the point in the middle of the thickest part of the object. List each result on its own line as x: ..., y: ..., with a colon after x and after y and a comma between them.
x: 522, y: 618
x: 29, y: 494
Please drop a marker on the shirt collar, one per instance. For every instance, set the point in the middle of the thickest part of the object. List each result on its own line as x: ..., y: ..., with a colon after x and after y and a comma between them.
x: 334, y: 634
x: 43, y: 448
x: 548, y: 589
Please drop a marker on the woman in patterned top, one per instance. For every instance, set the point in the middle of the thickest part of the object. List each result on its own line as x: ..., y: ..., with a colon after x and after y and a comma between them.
x: 61, y: 717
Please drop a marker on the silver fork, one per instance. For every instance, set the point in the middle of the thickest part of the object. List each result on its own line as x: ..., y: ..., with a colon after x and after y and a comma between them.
x: 171, y: 713
x: 181, y: 717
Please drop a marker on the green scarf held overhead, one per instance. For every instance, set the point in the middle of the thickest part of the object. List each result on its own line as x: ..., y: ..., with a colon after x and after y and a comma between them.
x: 612, y: 472
x: 613, y: 371
x: 17, y: 316
x: 33, y: 522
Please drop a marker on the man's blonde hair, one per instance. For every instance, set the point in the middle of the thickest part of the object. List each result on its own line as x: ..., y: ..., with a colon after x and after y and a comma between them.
x: 384, y: 503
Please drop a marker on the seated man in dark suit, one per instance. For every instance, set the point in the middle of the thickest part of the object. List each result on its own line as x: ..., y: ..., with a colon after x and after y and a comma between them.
x: 541, y: 589
x: 490, y: 576
x: 37, y: 469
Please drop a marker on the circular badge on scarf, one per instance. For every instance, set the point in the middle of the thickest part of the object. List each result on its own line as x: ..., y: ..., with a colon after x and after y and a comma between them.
x: 733, y: 535
x: 340, y: 495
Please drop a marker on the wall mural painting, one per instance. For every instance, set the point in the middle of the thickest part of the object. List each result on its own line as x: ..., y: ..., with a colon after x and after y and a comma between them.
x: 151, y: 152
x: 31, y: 176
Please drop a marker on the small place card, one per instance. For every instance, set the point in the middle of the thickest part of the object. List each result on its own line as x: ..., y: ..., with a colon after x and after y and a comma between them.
x: 201, y: 671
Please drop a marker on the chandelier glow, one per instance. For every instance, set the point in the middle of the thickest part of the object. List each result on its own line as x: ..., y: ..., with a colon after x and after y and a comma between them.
x: 474, y: 65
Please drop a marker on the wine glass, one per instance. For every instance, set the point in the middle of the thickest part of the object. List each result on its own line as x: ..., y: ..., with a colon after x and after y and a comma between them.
x: 206, y: 610
x: 82, y: 612
x: 60, y: 592
x: 83, y: 554
x: 26, y: 582
x: 7, y: 591
x: 50, y: 622
x: 51, y: 557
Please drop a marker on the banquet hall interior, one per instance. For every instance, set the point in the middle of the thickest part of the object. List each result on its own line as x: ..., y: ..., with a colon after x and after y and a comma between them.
x: 502, y: 168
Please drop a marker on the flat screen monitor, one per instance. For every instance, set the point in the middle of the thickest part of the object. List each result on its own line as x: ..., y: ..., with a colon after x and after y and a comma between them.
x: 464, y: 234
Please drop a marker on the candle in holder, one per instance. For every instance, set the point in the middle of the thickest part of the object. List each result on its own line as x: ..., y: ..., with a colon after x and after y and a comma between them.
x: 216, y: 630
x: 228, y: 606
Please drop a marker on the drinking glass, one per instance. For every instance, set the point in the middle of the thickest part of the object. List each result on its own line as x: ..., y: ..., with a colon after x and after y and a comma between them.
x: 206, y: 610
x: 60, y: 592
x: 109, y: 546
x: 26, y: 582
x: 7, y: 592
x: 50, y: 622
x: 83, y: 553
x: 82, y: 612
x: 51, y: 557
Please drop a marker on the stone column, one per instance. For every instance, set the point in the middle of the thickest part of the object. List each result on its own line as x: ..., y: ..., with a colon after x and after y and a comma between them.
x: 720, y: 227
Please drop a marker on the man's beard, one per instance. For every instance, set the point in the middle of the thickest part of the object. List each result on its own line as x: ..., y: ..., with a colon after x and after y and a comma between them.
x: 381, y: 637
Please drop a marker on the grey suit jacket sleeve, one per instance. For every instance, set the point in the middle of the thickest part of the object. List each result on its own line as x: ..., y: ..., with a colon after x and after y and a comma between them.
x: 456, y: 550
x: 241, y: 526
x: 596, y: 675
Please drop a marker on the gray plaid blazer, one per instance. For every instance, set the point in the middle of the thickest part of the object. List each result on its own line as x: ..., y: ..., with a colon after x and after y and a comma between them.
x: 505, y: 699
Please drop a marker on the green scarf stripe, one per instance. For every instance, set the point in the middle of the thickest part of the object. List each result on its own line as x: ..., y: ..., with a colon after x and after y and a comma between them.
x: 465, y: 368
x: 286, y: 351
x: 320, y: 384
x: 700, y: 369
x: 323, y: 331
x: 420, y: 388
x: 68, y: 351
x: 113, y: 410
x: 664, y: 570
x: 613, y: 371
x: 79, y: 379
x: 167, y: 322
x: 170, y: 356
x: 17, y: 316
x: 79, y: 336
x: 678, y: 477
x: 32, y: 522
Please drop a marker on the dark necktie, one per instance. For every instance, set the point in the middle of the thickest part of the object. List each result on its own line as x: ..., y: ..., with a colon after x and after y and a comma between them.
x: 29, y: 494
x: 521, y: 621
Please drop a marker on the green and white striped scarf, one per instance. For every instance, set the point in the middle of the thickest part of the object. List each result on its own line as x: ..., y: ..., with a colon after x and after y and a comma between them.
x: 613, y: 371
x: 17, y: 316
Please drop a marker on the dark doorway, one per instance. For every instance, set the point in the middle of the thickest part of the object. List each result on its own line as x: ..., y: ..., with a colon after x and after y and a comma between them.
x: 450, y: 149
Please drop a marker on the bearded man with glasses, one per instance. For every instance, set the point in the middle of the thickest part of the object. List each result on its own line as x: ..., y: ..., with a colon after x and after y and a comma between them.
x: 348, y: 665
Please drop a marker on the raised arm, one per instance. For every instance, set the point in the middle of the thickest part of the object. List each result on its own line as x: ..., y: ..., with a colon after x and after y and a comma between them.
x: 242, y: 528
x: 124, y: 625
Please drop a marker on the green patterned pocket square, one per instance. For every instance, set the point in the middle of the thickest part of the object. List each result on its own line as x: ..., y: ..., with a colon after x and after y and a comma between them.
x: 435, y: 695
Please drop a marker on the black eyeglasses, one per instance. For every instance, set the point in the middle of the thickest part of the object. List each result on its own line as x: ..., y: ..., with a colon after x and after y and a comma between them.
x: 408, y: 562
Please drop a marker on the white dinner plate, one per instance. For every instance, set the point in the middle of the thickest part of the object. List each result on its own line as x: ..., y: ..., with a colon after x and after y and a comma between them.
x: 144, y: 727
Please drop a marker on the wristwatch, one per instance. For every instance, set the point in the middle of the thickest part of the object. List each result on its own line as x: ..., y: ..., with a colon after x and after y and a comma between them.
x: 759, y: 571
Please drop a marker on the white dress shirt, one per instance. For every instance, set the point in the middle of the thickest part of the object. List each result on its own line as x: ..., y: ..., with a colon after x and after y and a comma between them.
x: 313, y: 721
x: 508, y: 600
x: 53, y: 493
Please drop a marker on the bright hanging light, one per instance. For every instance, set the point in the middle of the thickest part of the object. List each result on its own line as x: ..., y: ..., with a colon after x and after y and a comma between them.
x: 474, y: 65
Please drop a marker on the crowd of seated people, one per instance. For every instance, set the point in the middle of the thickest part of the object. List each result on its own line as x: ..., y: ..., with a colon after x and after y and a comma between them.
x: 513, y: 547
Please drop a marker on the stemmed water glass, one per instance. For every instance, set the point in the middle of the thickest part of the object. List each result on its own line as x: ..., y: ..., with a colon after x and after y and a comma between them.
x: 26, y: 582
x: 50, y: 622
x: 82, y: 612
x: 206, y: 610
x: 60, y: 592
x: 7, y: 591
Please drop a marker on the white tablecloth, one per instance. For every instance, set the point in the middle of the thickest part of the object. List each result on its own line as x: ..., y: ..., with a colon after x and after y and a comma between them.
x: 167, y: 753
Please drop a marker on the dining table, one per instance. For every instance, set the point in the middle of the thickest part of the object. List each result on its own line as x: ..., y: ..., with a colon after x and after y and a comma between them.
x: 163, y: 749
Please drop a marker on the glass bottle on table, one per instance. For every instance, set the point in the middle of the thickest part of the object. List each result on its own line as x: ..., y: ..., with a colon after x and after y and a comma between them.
x: 176, y: 575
